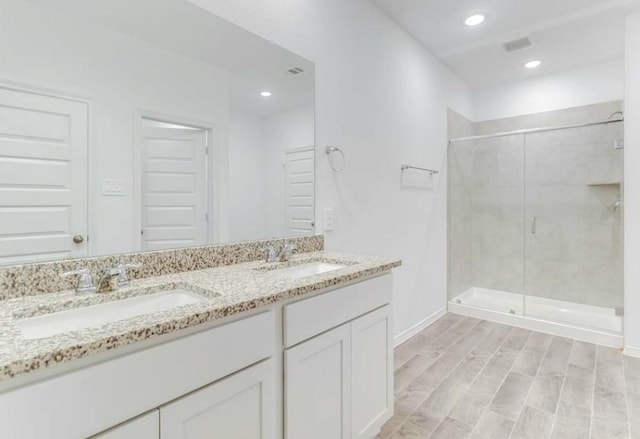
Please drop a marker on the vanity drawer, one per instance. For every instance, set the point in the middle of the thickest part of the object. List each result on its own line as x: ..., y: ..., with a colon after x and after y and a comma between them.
x: 310, y: 317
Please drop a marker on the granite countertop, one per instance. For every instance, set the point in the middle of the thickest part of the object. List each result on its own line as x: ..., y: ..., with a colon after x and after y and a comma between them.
x: 226, y: 290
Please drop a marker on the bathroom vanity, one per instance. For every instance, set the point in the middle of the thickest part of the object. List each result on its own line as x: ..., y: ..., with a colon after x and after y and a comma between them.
x: 298, y: 349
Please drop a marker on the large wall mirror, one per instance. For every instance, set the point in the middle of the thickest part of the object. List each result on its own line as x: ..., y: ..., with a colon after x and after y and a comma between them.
x: 133, y: 125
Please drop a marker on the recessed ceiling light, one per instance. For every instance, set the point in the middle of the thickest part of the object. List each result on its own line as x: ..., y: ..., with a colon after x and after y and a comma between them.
x: 265, y: 94
x: 532, y: 64
x: 474, y: 20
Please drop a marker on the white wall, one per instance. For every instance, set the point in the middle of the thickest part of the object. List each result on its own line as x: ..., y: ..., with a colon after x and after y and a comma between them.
x: 382, y: 98
x: 119, y: 75
x: 247, y: 177
x: 632, y: 187
x: 602, y: 82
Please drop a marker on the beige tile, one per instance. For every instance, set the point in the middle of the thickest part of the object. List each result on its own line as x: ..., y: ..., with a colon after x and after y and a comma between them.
x: 451, y: 429
x: 409, y: 431
x: 499, y: 366
x: 511, y: 396
x: 574, y: 415
x: 610, y: 406
x: 608, y: 429
x: 493, y: 426
x: 565, y: 431
x: 470, y: 367
x: 557, y: 358
x: 545, y: 393
x: 412, y: 369
x: 578, y: 387
x: 438, y: 371
x: 533, y: 424
x: 583, y: 355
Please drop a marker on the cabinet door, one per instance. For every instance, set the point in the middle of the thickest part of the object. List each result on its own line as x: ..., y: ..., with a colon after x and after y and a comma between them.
x: 242, y: 406
x: 317, y: 387
x: 371, y: 373
x: 144, y: 427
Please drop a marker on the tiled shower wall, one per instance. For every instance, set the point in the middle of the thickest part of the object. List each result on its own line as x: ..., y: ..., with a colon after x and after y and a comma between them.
x: 537, y: 212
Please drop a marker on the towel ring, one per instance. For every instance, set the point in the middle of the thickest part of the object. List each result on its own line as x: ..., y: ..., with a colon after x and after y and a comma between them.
x: 333, y: 149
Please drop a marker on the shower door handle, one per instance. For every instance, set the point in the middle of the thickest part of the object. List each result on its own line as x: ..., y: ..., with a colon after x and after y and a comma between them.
x: 534, y: 221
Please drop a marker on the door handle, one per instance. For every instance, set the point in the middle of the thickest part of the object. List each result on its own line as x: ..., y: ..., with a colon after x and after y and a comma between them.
x: 78, y: 239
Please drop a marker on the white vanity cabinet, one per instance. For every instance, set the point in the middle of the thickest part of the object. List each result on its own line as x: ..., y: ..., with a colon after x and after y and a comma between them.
x: 339, y: 384
x: 316, y: 368
x: 242, y: 406
x: 144, y: 427
x: 317, y: 387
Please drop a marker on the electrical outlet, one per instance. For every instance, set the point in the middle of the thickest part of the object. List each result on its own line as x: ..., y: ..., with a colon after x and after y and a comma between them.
x: 329, y: 220
x: 113, y: 187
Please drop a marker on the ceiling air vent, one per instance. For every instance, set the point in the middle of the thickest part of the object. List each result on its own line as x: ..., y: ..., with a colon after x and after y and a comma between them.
x: 294, y: 71
x: 517, y: 44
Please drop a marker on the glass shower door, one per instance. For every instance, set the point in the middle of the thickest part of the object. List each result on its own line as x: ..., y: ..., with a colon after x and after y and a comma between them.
x: 573, y: 231
x: 486, y: 220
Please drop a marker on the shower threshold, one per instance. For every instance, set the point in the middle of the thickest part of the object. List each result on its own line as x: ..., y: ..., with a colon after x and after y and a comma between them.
x: 583, y: 322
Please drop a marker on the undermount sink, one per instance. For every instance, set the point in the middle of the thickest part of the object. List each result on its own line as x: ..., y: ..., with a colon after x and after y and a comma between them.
x: 47, y: 325
x: 309, y: 269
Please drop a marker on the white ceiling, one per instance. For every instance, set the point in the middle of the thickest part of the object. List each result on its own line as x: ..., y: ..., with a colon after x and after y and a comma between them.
x: 254, y: 64
x: 567, y: 34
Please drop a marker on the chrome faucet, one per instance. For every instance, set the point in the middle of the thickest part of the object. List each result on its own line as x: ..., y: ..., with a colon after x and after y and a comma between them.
x: 273, y: 255
x: 85, y: 284
x: 285, y: 253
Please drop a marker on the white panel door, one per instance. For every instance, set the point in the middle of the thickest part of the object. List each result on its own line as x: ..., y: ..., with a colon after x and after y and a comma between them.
x: 43, y: 177
x: 317, y: 387
x: 371, y: 373
x: 144, y: 427
x: 242, y: 406
x: 299, y: 191
x: 174, y: 188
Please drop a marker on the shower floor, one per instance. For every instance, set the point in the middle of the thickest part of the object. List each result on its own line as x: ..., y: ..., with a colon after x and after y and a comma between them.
x: 595, y: 317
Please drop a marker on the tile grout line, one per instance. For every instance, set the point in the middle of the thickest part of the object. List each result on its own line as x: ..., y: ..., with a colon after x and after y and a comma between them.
x: 486, y: 409
x: 546, y: 351
x: 564, y: 381
x: 478, y: 374
x: 447, y: 376
x: 439, y: 382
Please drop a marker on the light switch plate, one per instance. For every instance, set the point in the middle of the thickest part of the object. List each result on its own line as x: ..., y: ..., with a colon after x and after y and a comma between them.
x: 113, y: 187
x: 329, y: 220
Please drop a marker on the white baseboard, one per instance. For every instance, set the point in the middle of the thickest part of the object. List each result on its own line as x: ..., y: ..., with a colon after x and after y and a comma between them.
x: 631, y: 351
x: 406, y: 335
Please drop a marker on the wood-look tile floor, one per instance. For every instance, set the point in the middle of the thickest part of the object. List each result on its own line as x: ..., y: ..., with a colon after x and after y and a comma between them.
x: 468, y: 378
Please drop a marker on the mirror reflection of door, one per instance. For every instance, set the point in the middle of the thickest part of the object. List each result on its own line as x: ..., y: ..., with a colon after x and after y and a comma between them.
x: 43, y: 177
x: 299, y: 191
x: 174, y: 186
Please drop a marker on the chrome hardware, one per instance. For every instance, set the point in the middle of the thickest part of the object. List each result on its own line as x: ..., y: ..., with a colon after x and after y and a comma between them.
x: 430, y: 171
x: 123, y: 275
x: 271, y: 254
x: 85, y: 281
x: 78, y: 239
x: 286, y: 252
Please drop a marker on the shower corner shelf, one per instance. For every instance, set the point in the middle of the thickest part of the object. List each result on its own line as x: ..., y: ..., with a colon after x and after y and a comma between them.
x: 604, y: 183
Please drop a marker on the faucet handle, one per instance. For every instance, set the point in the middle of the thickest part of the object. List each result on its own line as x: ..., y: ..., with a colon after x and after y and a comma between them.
x: 123, y: 274
x: 271, y: 254
x: 85, y: 285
